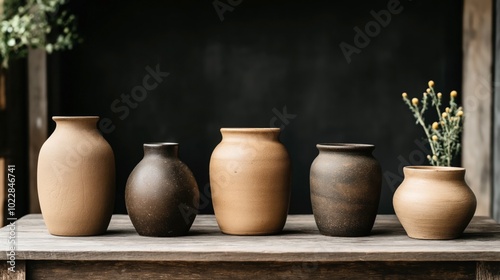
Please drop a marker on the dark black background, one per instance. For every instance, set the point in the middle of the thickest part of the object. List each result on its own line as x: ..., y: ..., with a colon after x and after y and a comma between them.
x: 264, y: 56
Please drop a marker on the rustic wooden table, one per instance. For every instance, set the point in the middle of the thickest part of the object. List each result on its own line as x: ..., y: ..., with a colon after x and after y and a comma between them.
x: 300, y: 252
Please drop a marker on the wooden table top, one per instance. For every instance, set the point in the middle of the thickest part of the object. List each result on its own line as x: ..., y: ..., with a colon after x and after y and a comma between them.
x: 300, y: 241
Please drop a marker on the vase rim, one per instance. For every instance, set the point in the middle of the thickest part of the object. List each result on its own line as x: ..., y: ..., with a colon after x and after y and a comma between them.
x: 250, y: 129
x: 427, y: 168
x: 160, y: 144
x: 345, y: 146
x: 56, y: 118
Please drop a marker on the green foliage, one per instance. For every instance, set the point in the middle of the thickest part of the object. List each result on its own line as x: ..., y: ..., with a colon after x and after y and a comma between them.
x: 35, y: 24
x: 443, y: 134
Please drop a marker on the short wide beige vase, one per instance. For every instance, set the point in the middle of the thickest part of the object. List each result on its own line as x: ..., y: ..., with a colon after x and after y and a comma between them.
x: 434, y: 202
x: 76, y: 178
x: 250, y: 181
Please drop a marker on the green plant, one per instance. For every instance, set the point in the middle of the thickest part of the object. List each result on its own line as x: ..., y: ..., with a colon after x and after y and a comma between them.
x: 35, y: 24
x: 444, y: 134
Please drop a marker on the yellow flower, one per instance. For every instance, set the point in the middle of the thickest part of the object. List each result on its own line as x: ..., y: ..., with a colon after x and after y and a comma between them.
x: 429, y: 157
x: 439, y: 95
x: 460, y: 113
x: 431, y: 83
x: 453, y: 93
x: 404, y: 95
x: 434, y: 138
x: 428, y: 90
x: 414, y: 101
x: 447, y: 110
x: 435, y: 126
x: 434, y: 158
x: 444, y: 115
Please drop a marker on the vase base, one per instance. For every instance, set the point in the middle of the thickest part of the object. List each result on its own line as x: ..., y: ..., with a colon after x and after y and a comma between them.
x: 77, y: 234
x: 344, y: 235
x: 251, y: 233
x: 433, y: 237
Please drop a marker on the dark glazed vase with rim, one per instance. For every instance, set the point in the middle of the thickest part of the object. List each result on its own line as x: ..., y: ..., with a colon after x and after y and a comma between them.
x: 161, y: 194
x: 345, y: 189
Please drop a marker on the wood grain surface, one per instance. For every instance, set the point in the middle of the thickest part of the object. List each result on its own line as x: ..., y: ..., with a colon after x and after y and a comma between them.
x: 477, y: 100
x: 253, y: 270
x: 496, y: 115
x: 299, y: 242
x: 18, y: 274
x: 37, y: 118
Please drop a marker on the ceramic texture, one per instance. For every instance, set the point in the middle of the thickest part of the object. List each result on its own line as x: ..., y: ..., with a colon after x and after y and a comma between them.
x: 161, y: 194
x: 345, y: 183
x: 250, y: 181
x: 434, y: 202
x: 76, y: 178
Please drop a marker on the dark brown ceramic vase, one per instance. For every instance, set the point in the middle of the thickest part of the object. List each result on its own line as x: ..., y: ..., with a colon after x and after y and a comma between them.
x: 161, y: 194
x: 345, y: 189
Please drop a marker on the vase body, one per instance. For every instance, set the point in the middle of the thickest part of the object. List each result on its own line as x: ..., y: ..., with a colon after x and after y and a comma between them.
x: 250, y: 181
x: 434, y: 202
x: 161, y: 194
x: 76, y: 178
x: 345, y: 183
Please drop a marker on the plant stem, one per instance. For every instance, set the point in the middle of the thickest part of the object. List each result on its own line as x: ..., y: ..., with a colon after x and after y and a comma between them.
x: 429, y: 137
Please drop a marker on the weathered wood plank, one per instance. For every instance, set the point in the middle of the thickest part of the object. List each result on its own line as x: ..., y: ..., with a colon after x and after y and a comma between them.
x: 37, y: 92
x: 488, y: 271
x: 477, y: 100
x: 254, y: 270
x: 496, y: 120
x: 18, y: 274
x: 300, y: 241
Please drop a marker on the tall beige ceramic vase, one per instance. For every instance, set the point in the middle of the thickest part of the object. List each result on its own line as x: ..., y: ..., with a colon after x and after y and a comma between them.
x: 76, y: 178
x: 250, y: 181
x: 434, y: 202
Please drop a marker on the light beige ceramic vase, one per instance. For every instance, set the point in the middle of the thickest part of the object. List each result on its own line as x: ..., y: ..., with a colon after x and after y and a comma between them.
x: 250, y: 181
x: 76, y: 178
x: 434, y: 202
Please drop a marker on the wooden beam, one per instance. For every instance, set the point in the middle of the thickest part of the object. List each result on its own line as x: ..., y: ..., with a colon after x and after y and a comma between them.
x: 477, y: 98
x: 124, y: 270
x: 2, y: 160
x: 487, y: 270
x: 37, y: 99
x: 2, y: 73
x: 18, y: 274
x: 496, y: 123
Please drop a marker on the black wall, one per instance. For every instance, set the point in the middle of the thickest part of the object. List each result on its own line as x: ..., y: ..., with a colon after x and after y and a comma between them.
x: 264, y: 56
x: 14, y: 135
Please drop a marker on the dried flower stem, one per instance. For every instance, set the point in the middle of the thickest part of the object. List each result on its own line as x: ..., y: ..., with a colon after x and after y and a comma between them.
x: 444, y: 135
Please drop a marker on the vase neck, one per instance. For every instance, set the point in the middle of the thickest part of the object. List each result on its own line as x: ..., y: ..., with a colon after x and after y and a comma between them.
x: 164, y: 149
x: 270, y: 134
x: 346, y: 148
x: 82, y: 123
x: 435, y: 172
